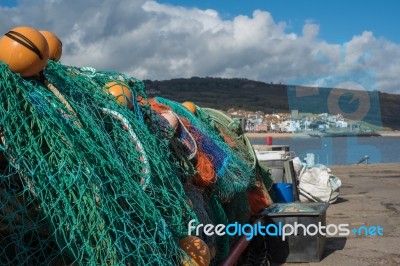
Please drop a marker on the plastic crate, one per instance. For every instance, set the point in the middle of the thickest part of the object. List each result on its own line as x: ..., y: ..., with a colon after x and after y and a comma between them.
x: 297, y: 248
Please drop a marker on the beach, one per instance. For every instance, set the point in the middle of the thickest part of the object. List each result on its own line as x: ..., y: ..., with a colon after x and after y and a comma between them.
x: 255, y: 135
x: 369, y: 196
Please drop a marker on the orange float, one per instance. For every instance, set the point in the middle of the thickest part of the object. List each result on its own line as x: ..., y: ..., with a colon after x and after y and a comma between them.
x: 196, y: 249
x: 190, y: 106
x: 55, y: 45
x: 121, y: 92
x: 24, y: 50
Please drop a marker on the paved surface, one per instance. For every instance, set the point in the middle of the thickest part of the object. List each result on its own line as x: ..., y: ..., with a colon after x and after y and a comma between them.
x: 370, y: 196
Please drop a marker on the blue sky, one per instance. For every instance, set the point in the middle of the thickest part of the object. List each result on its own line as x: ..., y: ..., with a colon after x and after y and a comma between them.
x: 9, y: 3
x: 339, y: 20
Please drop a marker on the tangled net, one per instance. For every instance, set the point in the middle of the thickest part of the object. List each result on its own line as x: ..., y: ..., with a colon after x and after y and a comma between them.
x: 87, y: 181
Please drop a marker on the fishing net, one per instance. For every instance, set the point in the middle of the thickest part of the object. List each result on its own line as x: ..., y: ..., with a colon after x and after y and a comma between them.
x: 80, y: 185
x: 143, y: 154
x: 218, y: 216
x: 233, y: 174
x: 186, y: 142
x: 230, y: 131
x: 200, y: 185
x: 195, y: 194
x: 228, y: 200
x: 88, y: 180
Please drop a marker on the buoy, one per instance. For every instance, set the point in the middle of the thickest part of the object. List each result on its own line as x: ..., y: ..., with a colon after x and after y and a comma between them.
x: 190, y: 106
x: 55, y: 45
x: 196, y: 249
x: 121, y: 91
x: 171, y: 118
x: 24, y: 50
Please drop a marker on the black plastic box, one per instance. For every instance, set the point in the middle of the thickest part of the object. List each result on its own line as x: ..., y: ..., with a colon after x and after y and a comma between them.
x: 297, y: 248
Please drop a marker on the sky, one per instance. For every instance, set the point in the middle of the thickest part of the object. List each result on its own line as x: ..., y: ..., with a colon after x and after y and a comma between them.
x: 350, y: 44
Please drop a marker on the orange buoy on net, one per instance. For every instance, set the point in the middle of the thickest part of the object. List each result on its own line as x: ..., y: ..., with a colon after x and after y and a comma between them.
x: 196, y: 249
x: 121, y: 92
x: 190, y: 106
x: 24, y: 50
x: 55, y: 45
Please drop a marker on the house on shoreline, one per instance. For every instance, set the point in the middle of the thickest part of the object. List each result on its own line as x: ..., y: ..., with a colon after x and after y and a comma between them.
x: 297, y: 122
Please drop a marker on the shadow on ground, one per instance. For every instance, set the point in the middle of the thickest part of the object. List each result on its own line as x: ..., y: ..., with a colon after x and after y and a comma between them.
x: 340, y: 200
x: 333, y: 244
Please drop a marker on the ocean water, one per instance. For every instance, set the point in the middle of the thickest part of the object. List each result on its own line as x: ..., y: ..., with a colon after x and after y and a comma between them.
x: 342, y: 150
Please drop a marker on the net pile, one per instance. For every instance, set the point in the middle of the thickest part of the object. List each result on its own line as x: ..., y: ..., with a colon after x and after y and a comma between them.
x: 238, y: 175
x: 233, y: 174
x: 95, y: 194
x: 231, y: 132
x: 87, y: 181
x: 147, y: 159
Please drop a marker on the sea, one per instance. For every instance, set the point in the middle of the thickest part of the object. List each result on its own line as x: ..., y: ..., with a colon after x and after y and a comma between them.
x: 341, y: 150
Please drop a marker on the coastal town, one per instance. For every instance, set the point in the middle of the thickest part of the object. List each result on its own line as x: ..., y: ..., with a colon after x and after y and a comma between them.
x: 296, y: 122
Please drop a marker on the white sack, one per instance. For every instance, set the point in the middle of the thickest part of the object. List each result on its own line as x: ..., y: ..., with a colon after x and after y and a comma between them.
x: 318, y: 184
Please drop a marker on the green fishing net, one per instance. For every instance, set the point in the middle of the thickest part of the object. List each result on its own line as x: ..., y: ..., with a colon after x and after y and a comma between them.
x: 228, y: 201
x: 85, y: 180
x: 231, y: 132
x: 234, y: 175
x: 142, y: 153
x: 70, y: 181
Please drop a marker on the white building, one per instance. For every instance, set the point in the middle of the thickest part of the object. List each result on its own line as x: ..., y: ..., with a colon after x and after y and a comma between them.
x: 273, y: 126
x: 290, y: 126
x: 341, y: 124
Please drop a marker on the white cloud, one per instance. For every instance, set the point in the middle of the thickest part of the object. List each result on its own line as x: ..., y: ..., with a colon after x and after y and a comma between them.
x: 310, y: 31
x: 149, y: 40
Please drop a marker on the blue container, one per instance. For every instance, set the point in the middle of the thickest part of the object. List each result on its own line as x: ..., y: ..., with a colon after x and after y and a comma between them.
x: 283, y: 192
